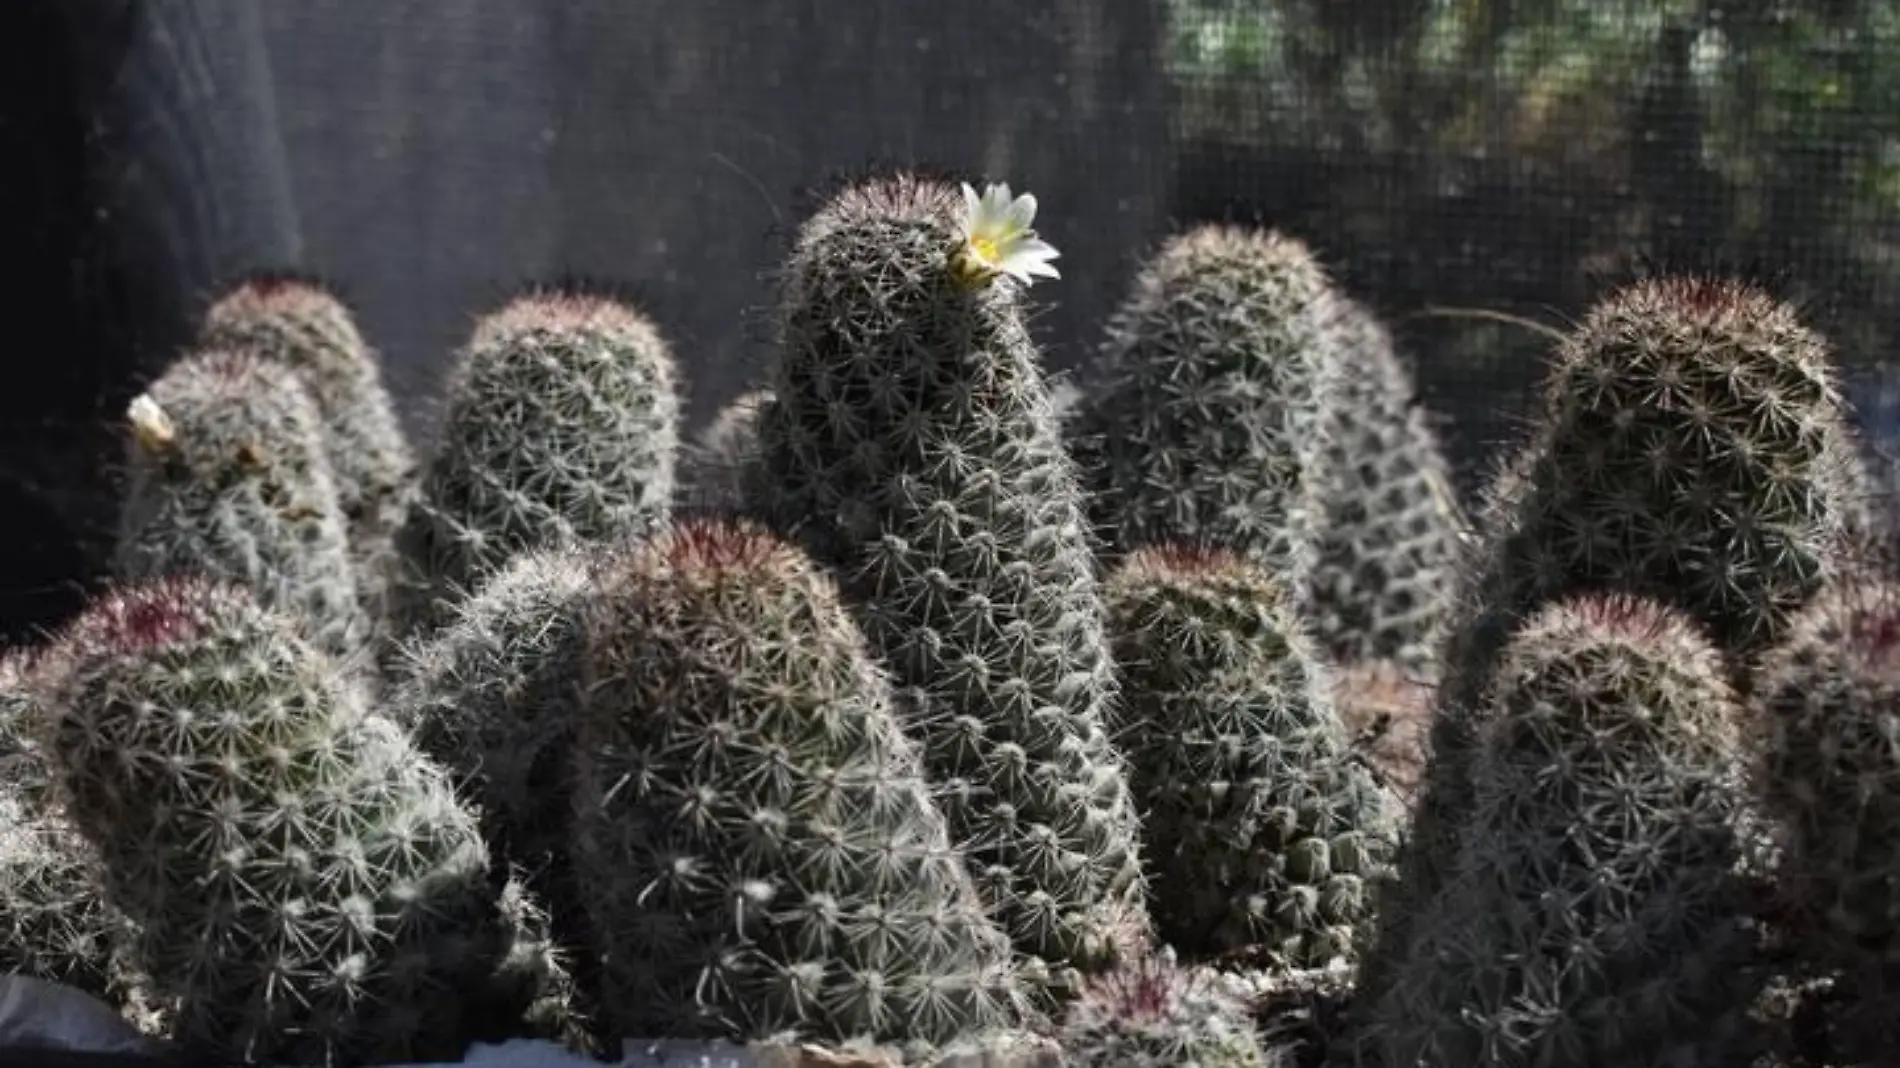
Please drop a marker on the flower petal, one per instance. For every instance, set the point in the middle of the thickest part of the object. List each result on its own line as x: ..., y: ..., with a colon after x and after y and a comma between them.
x: 1022, y: 212
x: 972, y: 208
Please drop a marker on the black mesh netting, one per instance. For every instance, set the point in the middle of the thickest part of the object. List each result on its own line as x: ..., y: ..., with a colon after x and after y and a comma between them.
x: 1476, y: 171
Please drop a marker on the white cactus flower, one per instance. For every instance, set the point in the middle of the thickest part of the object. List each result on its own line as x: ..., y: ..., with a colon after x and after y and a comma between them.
x: 997, y: 239
x: 150, y: 424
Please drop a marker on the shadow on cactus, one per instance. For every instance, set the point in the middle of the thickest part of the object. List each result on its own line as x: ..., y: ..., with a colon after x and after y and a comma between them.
x: 1201, y: 422
x: 1262, y: 832
x: 1593, y: 910
x: 305, y: 885
x: 1824, y: 708
x: 1692, y: 448
x: 754, y: 838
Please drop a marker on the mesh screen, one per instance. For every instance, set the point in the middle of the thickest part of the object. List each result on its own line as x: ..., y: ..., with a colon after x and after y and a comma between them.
x: 1475, y: 170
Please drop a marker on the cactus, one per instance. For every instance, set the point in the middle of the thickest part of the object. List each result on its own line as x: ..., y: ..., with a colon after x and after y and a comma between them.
x: 1204, y: 423
x: 1385, y: 516
x: 305, y: 885
x: 912, y: 447
x: 229, y: 479
x: 1824, y: 704
x: 1594, y: 913
x: 1154, y: 1014
x: 561, y: 425
x: 757, y: 847
x: 303, y: 325
x: 1693, y: 449
x: 1262, y: 832
x: 719, y: 463
x: 53, y: 924
x: 493, y: 697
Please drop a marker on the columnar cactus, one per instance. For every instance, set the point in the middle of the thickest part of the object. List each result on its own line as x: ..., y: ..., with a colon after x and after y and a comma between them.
x: 305, y: 885
x: 755, y: 842
x: 911, y: 445
x: 1825, y: 701
x: 1385, y: 516
x: 1692, y: 448
x: 1262, y: 831
x: 561, y: 425
x: 228, y: 478
x: 1593, y: 913
x: 1204, y: 423
x: 494, y: 694
x: 493, y: 697
x: 718, y: 463
x: 53, y: 923
x: 300, y: 323
x: 1154, y: 1014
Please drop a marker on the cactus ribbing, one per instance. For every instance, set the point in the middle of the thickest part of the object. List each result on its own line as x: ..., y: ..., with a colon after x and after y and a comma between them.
x: 1825, y: 703
x: 493, y: 696
x: 1262, y: 832
x: 561, y: 425
x: 229, y: 479
x: 1692, y: 448
x: 912, y: 446
x: 757, y: 847
x: 1205, y: 422
x: 1593, y: 913
x: 1383, y: 508
x: 1153, y: 1014
x: 301, y: 324
x: 305, y: 885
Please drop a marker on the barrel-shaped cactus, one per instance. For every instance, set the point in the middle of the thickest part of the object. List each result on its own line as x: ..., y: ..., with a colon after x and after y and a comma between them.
x: 304, y: 325
x: 1385, y: 518
x: 1263, y: 831
x: 755, y: 842
x: 306, y: 887
x: 561, y: 425
x: 1692, y: 448
x: 1594, y: 911
x: 228, y: 478
x: 1825, y: 701
x: 1203, y: 421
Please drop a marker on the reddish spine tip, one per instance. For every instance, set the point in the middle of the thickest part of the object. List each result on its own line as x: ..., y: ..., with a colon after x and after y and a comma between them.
x: 151, y: 614
x: 557, y: 311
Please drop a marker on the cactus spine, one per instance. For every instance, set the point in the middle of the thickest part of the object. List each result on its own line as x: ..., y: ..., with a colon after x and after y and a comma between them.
x: 229, y: 478
x: 305, y: 885
x: 912, y: 446
x: 726, y: 453
x: 1262, y: 833
x: 1824, y: 703
x: 1153, y: 1014
x: 561, y: 426
x: 304, y: 326
x: 1593, y: 913
x: 757, y: 846
x: 1204, y: 425
x: 1692, y: 449
x: 1385, y: 517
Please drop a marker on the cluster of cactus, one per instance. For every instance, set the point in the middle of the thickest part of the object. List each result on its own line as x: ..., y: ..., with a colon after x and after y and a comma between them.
x: 1181, y: 719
